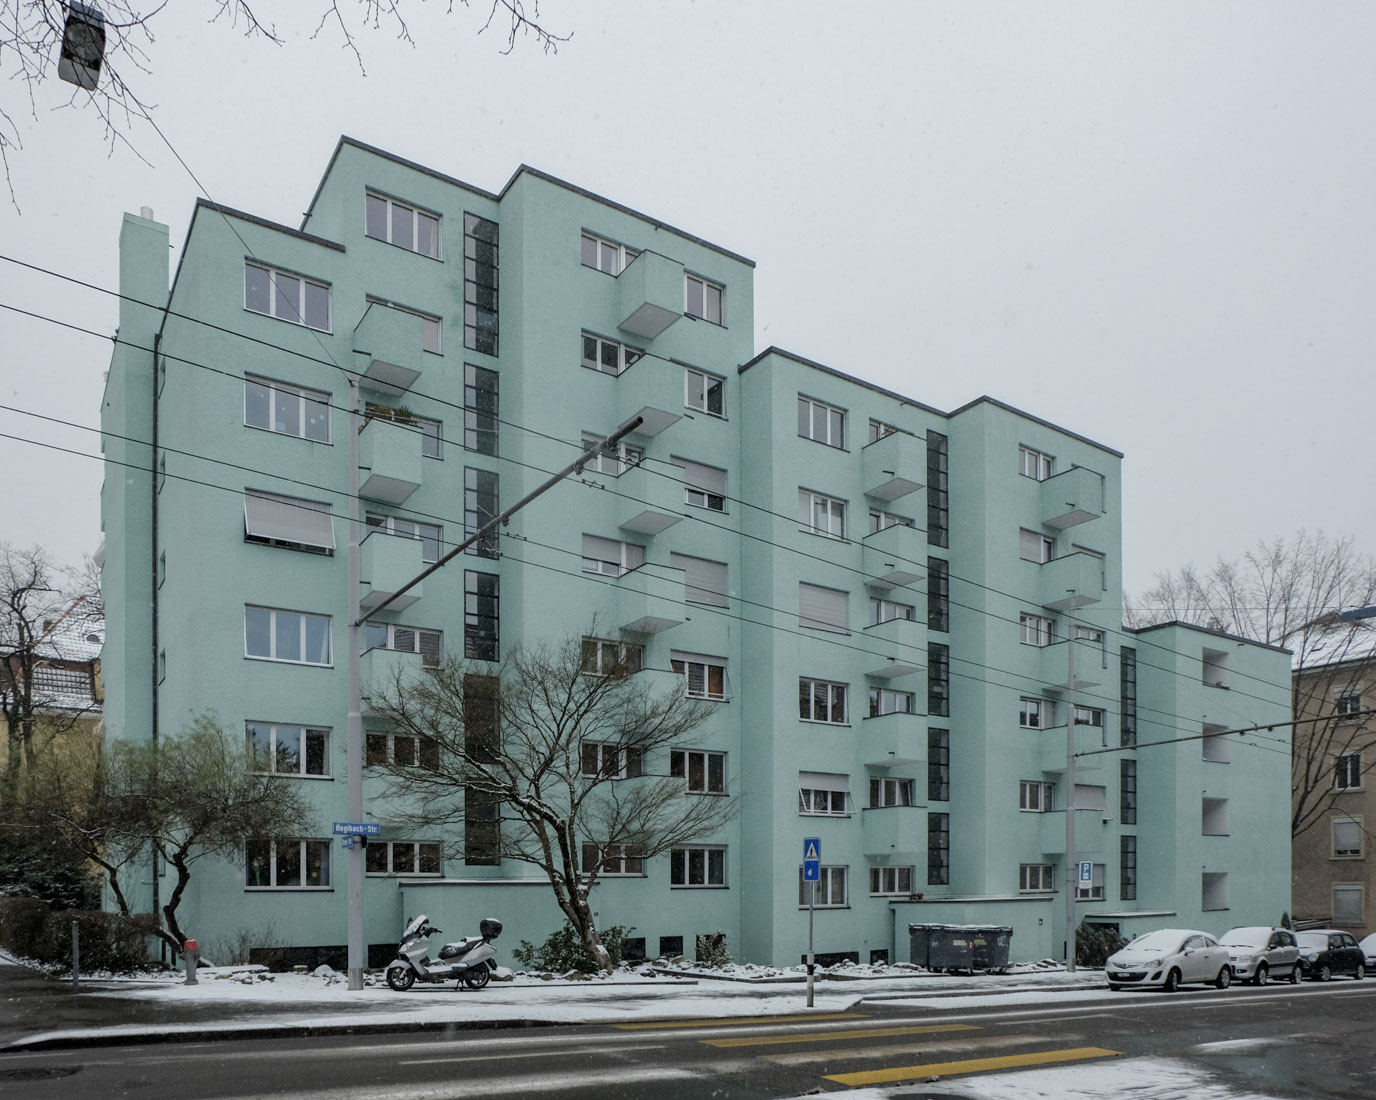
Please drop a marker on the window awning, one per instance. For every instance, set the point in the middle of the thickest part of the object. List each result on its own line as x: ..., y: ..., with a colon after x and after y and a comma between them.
x: 823, y: 781
x: 287, y: 519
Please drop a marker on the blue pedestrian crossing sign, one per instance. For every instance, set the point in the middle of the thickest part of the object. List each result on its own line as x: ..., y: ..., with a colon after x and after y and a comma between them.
x: 812, y: 859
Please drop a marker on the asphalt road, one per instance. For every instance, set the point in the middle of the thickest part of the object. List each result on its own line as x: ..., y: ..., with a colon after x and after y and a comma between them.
x: 1297, y: 1043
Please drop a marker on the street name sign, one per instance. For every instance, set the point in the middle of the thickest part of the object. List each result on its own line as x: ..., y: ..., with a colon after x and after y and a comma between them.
x: 357, y: 828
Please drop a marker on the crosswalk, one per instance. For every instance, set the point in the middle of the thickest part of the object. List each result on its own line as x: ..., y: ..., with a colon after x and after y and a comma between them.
x: 925, y: 1051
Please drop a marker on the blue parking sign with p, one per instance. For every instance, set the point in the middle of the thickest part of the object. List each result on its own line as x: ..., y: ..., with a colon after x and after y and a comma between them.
x: 812, y: 859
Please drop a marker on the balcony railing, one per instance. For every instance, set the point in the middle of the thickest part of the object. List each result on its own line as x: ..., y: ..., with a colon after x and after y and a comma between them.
x: 1073, y: 497
x: 1089, y: 832
x: 658, y: 504
x: 392, y: 343
x: 894, y: 831
x: 643, y: 604
x: 651, y: 289
x: 1072, y: 581
x: 895, y: 740
x: 889, y: 557
x: 892, y: 466
x: 389, y: 456
x: 652, y: 389
x: 388, y: 562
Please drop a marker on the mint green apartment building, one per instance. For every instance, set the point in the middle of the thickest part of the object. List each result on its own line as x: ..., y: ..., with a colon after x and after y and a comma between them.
x: 878, y: 598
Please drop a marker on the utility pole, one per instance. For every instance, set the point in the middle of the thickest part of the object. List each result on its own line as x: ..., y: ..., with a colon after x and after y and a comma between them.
x: 1070, y: 868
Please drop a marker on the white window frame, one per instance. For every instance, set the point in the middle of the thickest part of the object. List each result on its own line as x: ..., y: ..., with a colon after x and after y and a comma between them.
x: 832, y: 888
x: 305, y: 397
x: 1348, y: 852
x: 1036, y: 630
x: 696, y: 668
x: 681, y: 766
x: 613, y: 860
x: 1089, y: 716
x: 1036, y: 714
x: 829, y: 688
x: 417, y: 213
x: 1036, y: 878
x: 1095, y: 890
x: 880, y: 430
x: 1035, y: 547
x: 610, y: 655
x: 401, y: 638
x: 305, y: 618
x: 392, y: 847
x: 891, y: 881
x: 699, y: 389
x: 832, y: 514
x: 618, y: 256
x: 613, y: 461
x: 1348, y: 706
x: 303, y: 862
x: 891, y: 701
x: 824, y: 794
x: 611, y: 760
x: 292, y: 312
x: 629, y: 556
x: 820, y: 424
x: 302, y: 753
x: 1036, y: 796
x: 1347, y: 771
x: 886, y: 611
x: 708, y: 490
x: 887, y: 792
x: 322, y: 541
x: 881, y: 520
x: 1088, y: 633
x: 410, y: 744
x: 1038, y: 465
x: 711, y: 303
x: 429, y: 535
x: 625, y: 355
x: 714, y: 867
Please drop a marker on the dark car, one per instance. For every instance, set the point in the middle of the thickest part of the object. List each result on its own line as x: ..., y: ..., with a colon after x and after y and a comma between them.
x: 1326, y: 951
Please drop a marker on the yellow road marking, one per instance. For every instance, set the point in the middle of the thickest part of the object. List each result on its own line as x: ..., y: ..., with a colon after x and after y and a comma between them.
x: 836, y: 1036
x: 969, y: 1065
x: 732, y: 1021
x: 889, y: 1051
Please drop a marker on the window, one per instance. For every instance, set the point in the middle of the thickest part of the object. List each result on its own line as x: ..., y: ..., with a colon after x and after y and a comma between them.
x: 1095, y: 890
x: 830, y: 889
x: 613, y: 859
x: 938, y: 680
x: 480, y: 619
x: 430, y: 325
x: 615, y: 459
x: 61, y: 680
x: 1127, y: 694
x: 823, y: 423
x: 938, y: 594
x: 882, y: 521
x: 1127, y: 792
x: 609, y: 760
x: 1127, y: 868
x: 887, y: 701
x: 402, y: 857
x: 938, y: 849
x: 430, y: 536
x: 890, y: 792
x: 1214, y: 746
x: 1089, y: 633
x: 1214, y: 890
x: 704, y: 581
x: 406, y: 750
x: 703, y: 299
x: 402, y: 225
x: 605, y: 255
x: 891, y: 880
x: 1347, y: 838
x: 699, y: 865
x: 479, y: 410
x: 938, y: 496
x: 938, y: 765
x: 602, y: 657
x: 706, y: 676
x: 1348, y: 706
x: 609, y: 557
x: 272, y: 635
x: 704, y: 392
x: 1034, y: 546
x: 824, y: 793
x: 1037, y: 630
x: 1035, y: 714
x: 702, y: 772
x: 289, y: 750
x: 1214, y: 813
x: 1034, y: 464
x: 823, y: 608
x: 1347, y: 771
x: 286, y: 410
x: 822, y: 701
x: 480, y: 254
x: 405, y: 639
x: 878, y: 430
x: 288, y: 522
x: 286, y: 296
x: 287, y: 864
x: 1036, y: 797
x: 822, y: 515
x: 703, y: 486
x: 1037, y: 877
x: 607, y: 356
x: 884, y: 611
x: 1349, y: 904
x: 480, y: 507
x: 1089, y: 716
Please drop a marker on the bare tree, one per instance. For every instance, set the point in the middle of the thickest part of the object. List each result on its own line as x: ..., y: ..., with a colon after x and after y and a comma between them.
x: 548, y: 763
x: 31, y: 34
x: 1290, y: 593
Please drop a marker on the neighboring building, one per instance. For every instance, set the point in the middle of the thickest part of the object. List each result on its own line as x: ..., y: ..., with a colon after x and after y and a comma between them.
x: 1335, y: 747
x: 876, y: 595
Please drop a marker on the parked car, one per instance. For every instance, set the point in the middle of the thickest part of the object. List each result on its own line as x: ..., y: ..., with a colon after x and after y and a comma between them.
x: 1327, y: 951
x: 1368, y: 947
x: 1169, y: 958
x: 1257, y: 954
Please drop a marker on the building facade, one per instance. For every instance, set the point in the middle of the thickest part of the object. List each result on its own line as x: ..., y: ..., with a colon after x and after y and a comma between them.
x: 896, y: 613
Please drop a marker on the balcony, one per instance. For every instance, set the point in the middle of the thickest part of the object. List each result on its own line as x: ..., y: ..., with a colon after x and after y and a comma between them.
x: 889, y: 557
x: 382, y: 671
x: 389, y: 456
x: 392, y: 343
x: 892, y: 740
x: 388, y: 562
x: 1076, y: 496
x: 1087, y: 739
x: 1089, y: 665
x: 652, y: 389
x: 651, y: 289
x: 1075, y: 580
x: 896, y: 646
x: 658, y: 504
x: 891, y: 465
x: 894, y: 831
x: 640, y: 607
x: 1089, y: 832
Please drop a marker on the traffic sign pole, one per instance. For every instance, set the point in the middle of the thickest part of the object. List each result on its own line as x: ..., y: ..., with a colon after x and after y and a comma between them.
x: 812, y: 872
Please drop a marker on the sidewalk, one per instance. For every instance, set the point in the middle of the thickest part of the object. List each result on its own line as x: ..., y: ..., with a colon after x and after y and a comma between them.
x: 42, y: 1013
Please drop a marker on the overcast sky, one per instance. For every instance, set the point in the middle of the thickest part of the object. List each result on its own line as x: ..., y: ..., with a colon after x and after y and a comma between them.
x: 1152, y: 224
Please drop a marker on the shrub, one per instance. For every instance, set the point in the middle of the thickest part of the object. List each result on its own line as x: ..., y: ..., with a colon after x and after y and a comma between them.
x: 109, y: 941
x: 1094, y: 943
x: 21, y: 926
x: 564, y: 951
x: 712, y: 950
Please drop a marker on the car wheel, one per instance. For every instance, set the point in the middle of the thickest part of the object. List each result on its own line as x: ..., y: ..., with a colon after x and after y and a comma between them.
x: 1172, y: 982
x: 477, y: 977
x: 1262, y: 974
x: 1114, y: 986
x: 1324, y: 973
x: 401, y: 980
x: 1225, y: 978
x: 1295, y: 974
x: 1360, y: 972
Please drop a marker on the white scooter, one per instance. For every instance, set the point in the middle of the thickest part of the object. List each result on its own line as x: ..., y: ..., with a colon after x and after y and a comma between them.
x: 469, y: 960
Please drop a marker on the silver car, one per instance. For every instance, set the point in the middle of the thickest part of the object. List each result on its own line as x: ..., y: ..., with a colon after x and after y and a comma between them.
x: 1258, y: 954
x: 1170, y: 958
